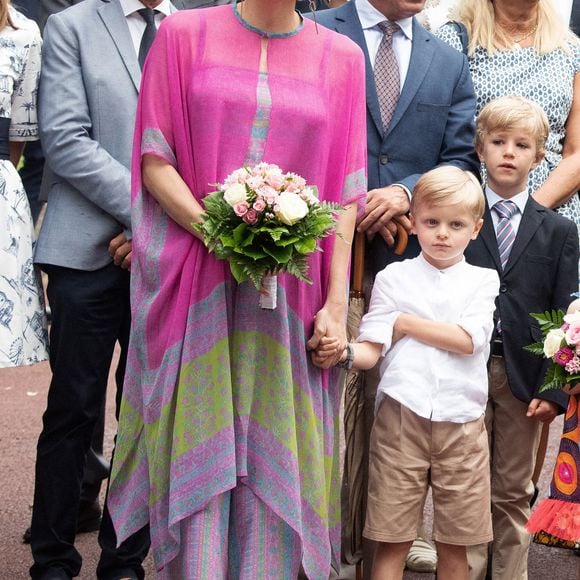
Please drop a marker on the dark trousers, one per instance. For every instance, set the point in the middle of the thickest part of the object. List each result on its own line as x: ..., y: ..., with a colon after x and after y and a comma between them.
x: 90, y: 313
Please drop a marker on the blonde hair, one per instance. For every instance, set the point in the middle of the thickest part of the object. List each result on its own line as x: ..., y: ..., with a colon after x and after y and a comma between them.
x: 449, y: 185
x: 479, y: 19
x: 509, y: 113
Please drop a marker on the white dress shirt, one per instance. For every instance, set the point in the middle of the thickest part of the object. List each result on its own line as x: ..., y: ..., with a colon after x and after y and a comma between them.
x: 135, y: 21
x: 433, y: 383
x: 370, y: 18
x: 521, y: 199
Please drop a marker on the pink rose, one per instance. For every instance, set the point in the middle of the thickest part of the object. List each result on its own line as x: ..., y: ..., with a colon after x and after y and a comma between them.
x: 259, y: 205
x: 240, y: 209
x: 251, y: 217
x: 275, y: 180
x: 573, y: 333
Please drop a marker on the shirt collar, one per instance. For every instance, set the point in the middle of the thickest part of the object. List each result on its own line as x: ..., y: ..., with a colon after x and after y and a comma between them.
x: 131, y: 6
x: 520, y: 199
x: 449, y: 270
x: 370, y: 17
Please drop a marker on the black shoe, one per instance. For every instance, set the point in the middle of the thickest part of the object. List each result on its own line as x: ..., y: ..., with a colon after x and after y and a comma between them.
x: 89, y: 520
x: 55, y: 574
x: 121, y: 574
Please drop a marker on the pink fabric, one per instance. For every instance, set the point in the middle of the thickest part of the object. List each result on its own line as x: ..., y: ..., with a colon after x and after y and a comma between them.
x: 197, y: 108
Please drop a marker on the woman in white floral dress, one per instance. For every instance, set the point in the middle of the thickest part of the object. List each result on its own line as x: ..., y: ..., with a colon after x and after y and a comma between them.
x: 23, y: 335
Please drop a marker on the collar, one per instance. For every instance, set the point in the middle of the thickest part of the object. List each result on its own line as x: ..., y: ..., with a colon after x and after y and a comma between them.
x: 449, y: 270
x: 520, y: 199
x: 370, y: 17
x: 131, y: 6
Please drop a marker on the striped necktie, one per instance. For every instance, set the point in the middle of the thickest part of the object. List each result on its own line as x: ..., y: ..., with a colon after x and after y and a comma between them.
x: 504, y: 232
x: 387, y: 77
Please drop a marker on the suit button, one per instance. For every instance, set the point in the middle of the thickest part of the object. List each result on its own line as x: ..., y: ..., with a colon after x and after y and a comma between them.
x: 383, y: 159
x: 503, y: 288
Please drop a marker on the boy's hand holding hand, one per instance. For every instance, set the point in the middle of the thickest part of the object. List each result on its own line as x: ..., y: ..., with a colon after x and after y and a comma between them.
x: 327, y: 353
x: 542, y: 410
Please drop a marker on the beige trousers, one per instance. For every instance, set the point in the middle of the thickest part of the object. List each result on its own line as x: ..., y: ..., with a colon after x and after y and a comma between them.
x: 513, y: 441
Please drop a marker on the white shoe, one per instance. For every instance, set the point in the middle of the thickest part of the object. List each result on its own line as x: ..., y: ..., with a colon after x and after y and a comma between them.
x: 422, y: 557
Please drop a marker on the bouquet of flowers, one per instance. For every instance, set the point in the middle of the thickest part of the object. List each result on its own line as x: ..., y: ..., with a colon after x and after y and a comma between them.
x: 264, y: 221
x: 561, y: 345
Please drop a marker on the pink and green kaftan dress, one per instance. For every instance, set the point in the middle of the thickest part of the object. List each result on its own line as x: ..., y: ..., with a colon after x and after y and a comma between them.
x: 227, y: 441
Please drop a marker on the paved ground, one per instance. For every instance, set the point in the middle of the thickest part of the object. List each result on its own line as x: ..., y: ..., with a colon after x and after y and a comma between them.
x: 22, y: 401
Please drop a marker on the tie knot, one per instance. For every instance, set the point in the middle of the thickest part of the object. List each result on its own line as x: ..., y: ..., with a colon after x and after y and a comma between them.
x: 505, y: 209
x: 388, y: 27
x: 148, y: 14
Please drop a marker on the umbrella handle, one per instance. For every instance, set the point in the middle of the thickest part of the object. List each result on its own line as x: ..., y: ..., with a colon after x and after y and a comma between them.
x: 401, y: 239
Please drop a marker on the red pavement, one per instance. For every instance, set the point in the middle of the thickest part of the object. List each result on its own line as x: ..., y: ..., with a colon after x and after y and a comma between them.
x: 22, y: 401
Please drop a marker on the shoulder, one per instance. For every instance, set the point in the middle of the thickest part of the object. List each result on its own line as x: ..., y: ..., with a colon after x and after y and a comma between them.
x: 482, y: 275
x: 341, y: 45
x: 396, y: 270
x: 438, y: 45
x: 449, y: 33
x: 329, y: 17
x: 26, y: 32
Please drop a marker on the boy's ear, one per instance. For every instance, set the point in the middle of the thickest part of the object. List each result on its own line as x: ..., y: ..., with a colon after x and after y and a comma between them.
x: 479, y: 151
x: 539, y: 156
x: 477, y: 228
x: 412, y: 220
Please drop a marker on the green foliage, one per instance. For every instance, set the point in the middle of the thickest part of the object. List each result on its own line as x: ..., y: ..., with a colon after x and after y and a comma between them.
x: 268, y: 246
x: 549, y: 320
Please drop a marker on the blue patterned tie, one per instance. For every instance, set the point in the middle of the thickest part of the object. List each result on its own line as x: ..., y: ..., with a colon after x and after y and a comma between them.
x: 504, y: 231
x: 387, y: 77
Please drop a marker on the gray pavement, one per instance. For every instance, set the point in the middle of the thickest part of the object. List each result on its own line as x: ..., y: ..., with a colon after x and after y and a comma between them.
x: 22, y: 401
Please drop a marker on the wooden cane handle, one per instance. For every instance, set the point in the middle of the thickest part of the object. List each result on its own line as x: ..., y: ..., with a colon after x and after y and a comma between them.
x: 358, y: 263
x: 401, y: 239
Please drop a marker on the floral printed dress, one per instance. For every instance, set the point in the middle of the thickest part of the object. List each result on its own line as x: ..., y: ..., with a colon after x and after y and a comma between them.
x: 23, y: 334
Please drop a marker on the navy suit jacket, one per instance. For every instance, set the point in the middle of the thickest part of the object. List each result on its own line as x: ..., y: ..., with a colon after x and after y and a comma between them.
x: 541, y: 273
x: 433, y: 123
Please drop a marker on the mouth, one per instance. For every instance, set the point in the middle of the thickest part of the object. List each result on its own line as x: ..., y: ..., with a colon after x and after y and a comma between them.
x: 507, y: 166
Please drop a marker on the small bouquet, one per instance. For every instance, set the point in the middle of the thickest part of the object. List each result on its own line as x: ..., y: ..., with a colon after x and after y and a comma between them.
x: 264, y: 221
x: 561, y: 345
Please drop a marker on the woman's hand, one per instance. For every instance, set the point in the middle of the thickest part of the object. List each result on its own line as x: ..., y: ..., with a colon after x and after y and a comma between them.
x: 330, y: 322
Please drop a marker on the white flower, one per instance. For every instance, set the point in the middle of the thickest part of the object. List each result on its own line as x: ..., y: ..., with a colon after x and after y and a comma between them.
x: 290, y: 208
x: 235, y: 194
x: 572, y: 318
x: 553, y: 342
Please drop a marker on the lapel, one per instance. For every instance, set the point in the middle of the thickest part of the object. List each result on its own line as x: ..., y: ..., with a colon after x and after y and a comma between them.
x: 348, y: 23
x: 114, y: 20
x: 487, y: 235
x: 532, y: 218
x: 419, y: 63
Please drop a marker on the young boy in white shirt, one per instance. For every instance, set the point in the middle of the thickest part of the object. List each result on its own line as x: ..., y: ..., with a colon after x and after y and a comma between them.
x: 431, y: 318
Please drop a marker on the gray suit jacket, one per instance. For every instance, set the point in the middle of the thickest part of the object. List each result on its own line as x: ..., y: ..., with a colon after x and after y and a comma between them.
x: 87, y: 102
x: 48, y: 7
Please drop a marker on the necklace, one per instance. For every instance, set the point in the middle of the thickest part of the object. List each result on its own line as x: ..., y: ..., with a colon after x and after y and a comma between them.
x: 516, y: 41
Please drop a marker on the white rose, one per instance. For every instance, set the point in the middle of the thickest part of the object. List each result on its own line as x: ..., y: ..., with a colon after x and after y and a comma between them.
x: 235, y: 194
x: 553, y: 342
x: 290, y: 208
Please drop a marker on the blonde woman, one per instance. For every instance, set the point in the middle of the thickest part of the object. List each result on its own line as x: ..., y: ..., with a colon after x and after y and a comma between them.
x: 23, y: 336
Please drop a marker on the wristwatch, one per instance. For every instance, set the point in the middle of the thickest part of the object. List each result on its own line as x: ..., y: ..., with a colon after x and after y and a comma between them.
x: 347, y: 362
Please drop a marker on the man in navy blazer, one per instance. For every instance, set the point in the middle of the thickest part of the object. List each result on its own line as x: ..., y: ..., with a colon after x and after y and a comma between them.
x: 433, y: 123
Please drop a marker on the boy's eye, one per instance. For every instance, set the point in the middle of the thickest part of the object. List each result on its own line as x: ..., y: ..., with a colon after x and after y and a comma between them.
x: 456, y: 225
x: 431, y: 222
x: 523, y: 146
x: 497, y: 141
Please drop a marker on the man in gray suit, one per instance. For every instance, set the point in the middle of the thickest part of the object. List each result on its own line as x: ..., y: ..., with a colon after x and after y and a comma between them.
x: 87, y: 103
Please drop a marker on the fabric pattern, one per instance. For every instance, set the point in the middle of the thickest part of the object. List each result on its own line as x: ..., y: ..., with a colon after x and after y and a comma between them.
x: 548, y: 80
x: 219, y: 393
x: 387, y: 75
x: 23, y: 333
x: 504, y: 231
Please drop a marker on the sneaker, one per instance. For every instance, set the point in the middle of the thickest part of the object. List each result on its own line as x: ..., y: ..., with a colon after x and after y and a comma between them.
x: 422, y: 557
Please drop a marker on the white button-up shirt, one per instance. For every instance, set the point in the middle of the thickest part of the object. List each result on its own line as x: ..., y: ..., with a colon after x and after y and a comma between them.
x: 433, y: 383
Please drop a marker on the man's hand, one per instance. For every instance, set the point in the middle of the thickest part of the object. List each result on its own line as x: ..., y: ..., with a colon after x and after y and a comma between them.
x: 542, y: 410
x: 120, y: 251
x: 382, y: 206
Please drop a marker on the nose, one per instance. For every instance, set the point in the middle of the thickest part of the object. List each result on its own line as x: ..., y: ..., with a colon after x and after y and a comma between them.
x: 509, y: 150
x: 442, y: 233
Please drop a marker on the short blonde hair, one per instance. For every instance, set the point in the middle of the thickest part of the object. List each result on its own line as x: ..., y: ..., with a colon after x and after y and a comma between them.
x: 479, y: 19
x: 510, y: 113
x: 449, y: 185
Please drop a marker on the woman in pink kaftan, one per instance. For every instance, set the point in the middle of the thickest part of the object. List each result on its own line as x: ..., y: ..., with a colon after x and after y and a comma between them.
x: 227, y: 436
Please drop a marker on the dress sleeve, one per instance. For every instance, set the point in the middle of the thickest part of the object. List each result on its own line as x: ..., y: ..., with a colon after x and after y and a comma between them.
x: 448, y: 33
x: 24, y: 124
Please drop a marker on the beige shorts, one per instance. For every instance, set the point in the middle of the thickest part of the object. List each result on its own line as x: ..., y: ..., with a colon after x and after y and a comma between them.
x: 407, y: 454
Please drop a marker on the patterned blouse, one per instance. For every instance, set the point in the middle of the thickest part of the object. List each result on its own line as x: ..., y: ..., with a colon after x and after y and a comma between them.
x: 548, y: 80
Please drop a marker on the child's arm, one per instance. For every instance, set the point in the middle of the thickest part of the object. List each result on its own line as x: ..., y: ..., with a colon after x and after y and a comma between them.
x: 364, y: 354
x: 443, y: 335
